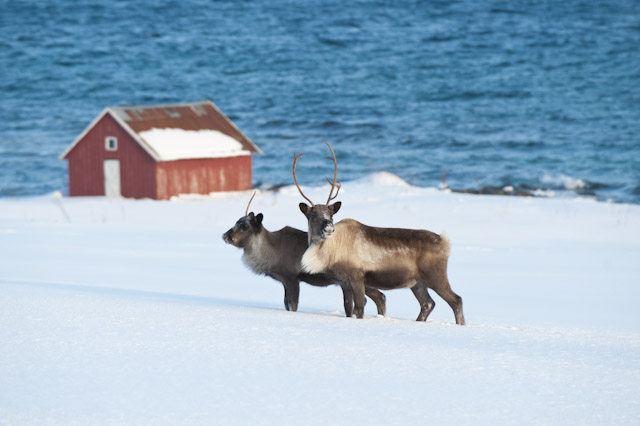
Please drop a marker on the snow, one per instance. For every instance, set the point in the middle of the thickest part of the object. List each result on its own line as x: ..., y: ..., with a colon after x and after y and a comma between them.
x: 180, y: 144
x: 136, y: 312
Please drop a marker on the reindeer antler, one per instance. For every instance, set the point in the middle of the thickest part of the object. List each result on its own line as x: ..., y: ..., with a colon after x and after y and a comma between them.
x: 334, y: 184
x: 293, y: 169
x: 337, y: 185
x: 247, y: 211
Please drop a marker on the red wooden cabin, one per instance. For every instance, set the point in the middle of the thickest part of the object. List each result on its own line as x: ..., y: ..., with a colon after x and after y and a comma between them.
x: 159, y: 152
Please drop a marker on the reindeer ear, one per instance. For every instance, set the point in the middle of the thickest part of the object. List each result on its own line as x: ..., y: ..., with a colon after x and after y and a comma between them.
x: 305, y: 209
x: 335, y: 207
x: 259, y: 218
x: 250, y: 216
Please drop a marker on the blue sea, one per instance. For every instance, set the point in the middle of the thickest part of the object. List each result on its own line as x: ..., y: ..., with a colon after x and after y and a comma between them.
x: 540, y: 96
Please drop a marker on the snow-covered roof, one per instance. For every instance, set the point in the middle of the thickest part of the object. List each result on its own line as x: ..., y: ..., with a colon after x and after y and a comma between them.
x: 180, y: 144
x: 178, y: 131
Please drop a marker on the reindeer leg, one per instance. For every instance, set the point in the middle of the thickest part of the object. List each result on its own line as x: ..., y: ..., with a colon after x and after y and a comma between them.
x: 378, y: 298
x: 347, y: 295
x: 426, y: 302
x: 291, y: 295
x: 294, y: 295
x: 286, y: 297
x: 358, y: 297
x: 440, y: 284
x: 454, y: 301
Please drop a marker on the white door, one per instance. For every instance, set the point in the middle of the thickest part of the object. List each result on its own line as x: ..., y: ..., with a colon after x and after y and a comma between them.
x: 111, y: 178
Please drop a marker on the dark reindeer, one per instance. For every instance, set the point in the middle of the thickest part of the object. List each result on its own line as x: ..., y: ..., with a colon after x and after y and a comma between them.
x: 278, y: 254
x: 384, y: 258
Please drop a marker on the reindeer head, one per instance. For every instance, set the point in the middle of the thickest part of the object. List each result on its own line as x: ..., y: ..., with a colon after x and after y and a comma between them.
x: 245, y: 228
x: 320, y: 216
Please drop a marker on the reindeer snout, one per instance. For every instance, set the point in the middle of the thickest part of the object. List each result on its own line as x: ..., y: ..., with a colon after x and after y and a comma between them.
x: 227, y: 237
x: 327, y: 229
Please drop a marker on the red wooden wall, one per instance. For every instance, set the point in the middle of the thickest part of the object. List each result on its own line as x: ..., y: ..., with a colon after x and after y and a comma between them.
x: 86, y: 171
x: 202, y: 176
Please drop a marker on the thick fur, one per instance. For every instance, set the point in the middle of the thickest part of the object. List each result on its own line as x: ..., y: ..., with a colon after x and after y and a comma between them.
x: 384, y: 258
x: 389, y: 251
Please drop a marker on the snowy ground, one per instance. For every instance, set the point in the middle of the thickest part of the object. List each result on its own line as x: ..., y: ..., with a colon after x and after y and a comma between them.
x: 136, y: 312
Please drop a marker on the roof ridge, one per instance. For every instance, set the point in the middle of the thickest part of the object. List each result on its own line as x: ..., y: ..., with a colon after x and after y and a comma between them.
x: 180, y: 104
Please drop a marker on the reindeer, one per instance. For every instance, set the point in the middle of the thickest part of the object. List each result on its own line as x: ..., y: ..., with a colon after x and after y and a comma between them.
x: 278, y: 254
x: 385, y: 258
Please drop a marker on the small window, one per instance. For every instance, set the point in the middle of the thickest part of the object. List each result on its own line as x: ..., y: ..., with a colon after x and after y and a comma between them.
x: 111, y: 143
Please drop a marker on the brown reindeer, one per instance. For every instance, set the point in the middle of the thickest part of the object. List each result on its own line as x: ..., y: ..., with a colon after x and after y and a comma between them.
x: 278, y: 254
x: 385, y: 258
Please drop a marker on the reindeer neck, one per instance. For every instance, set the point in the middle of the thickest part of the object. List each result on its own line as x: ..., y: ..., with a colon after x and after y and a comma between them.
x: 255, y: 252
x: 261, y: 241
x: 320, y: 255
